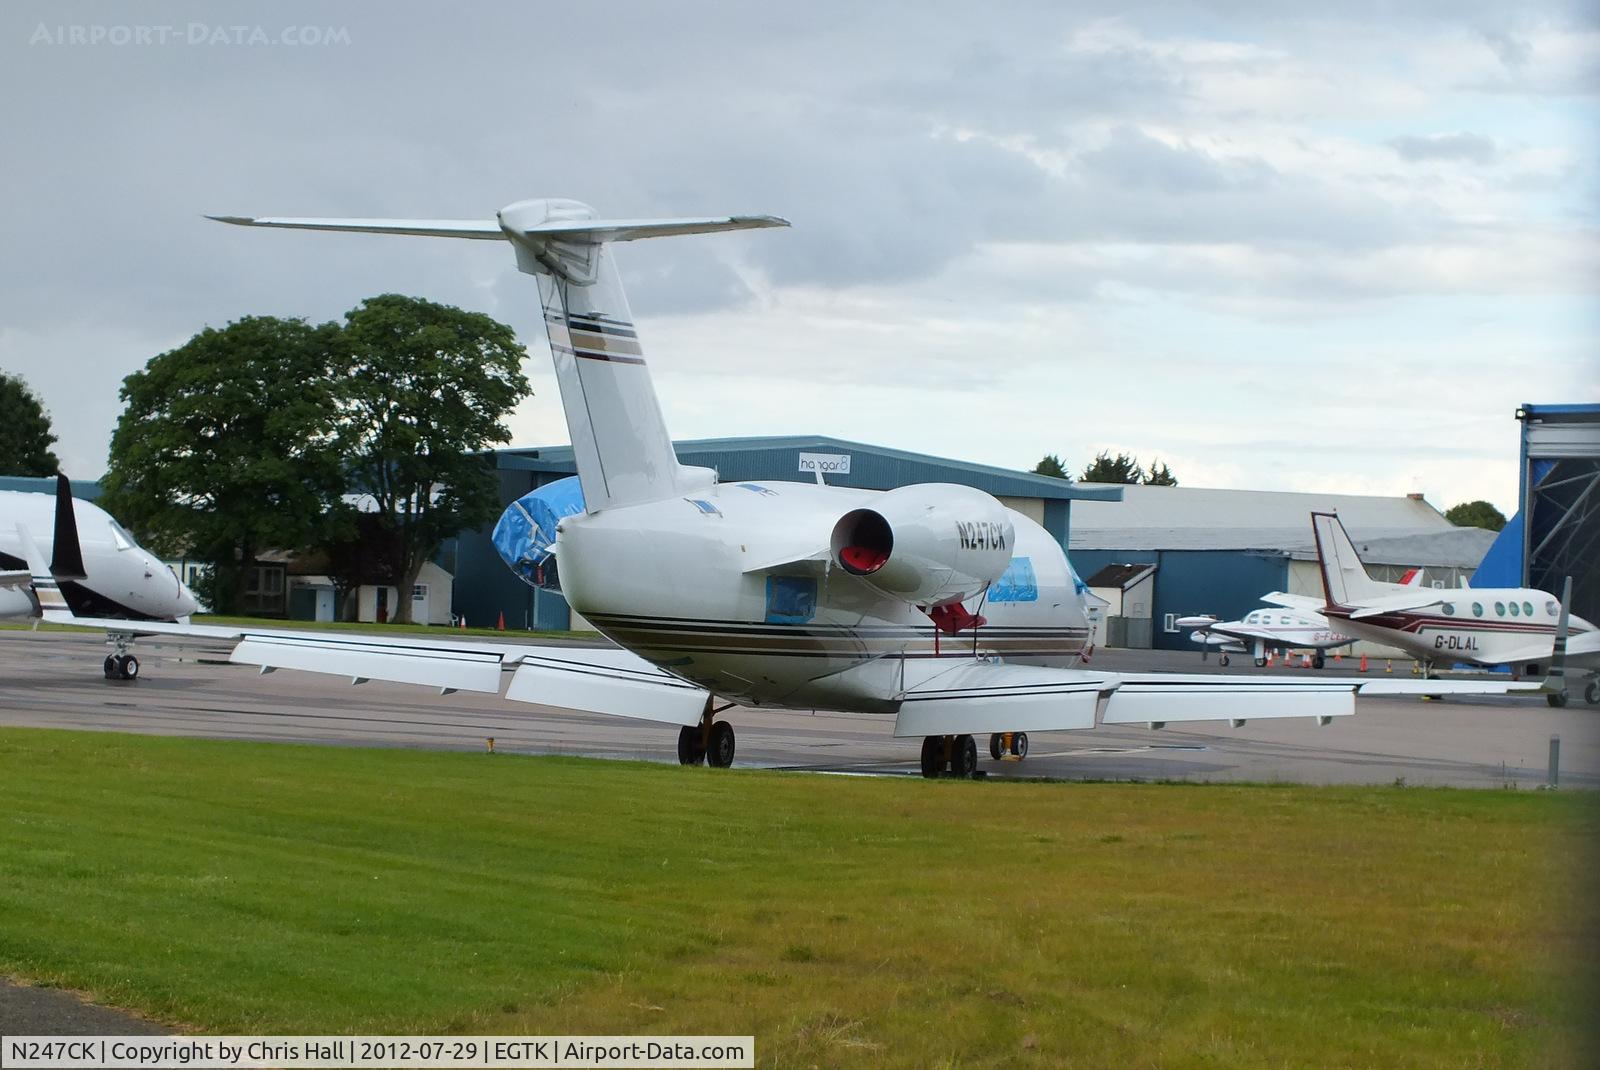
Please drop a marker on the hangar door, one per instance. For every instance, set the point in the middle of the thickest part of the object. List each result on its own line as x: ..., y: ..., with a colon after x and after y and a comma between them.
x: 1561, y: 501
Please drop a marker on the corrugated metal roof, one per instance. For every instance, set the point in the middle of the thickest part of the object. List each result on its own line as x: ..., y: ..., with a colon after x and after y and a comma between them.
x: 1176, y: 508
x: 1448, y: 547
x: 874, y: 467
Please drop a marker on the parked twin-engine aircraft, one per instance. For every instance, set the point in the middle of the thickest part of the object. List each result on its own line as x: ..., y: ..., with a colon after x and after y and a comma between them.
x: 95, y: 567
x: 934, y: 604
x: 1515, y: 626
x: 1265, y: 631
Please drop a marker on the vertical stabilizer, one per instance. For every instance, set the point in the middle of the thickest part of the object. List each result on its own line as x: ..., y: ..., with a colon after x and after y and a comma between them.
x: 1345, y: 581
x: 624, y: 454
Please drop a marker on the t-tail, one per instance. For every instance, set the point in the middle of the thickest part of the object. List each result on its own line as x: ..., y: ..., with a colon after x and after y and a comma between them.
x: 1344, y: 578
x: 623, y: 452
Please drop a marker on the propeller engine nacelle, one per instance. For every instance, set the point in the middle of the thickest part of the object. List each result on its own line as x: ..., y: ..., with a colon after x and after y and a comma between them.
x: 930, y: 544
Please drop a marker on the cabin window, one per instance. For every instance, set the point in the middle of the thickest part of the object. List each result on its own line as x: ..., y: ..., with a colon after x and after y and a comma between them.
x: 1500, y: 609
x: 1477, y: 609
x: 1283, y: 619
x: 1515, y: 609
x: 1449, y: 609
x: 1527, y: 609
x: 1551, y: 608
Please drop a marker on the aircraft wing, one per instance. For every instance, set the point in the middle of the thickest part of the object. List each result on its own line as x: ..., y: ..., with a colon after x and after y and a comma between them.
x: 605, y: 680
x: 980, y: 697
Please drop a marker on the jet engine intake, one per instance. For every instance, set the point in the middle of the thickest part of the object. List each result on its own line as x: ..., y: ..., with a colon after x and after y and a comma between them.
x: 930, y: 544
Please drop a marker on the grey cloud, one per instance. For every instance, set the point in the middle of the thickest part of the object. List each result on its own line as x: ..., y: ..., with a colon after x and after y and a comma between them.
x: 1473, y: 148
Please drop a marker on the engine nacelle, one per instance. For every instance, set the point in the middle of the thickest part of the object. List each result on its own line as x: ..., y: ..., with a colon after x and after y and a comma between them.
x: 929, y: 544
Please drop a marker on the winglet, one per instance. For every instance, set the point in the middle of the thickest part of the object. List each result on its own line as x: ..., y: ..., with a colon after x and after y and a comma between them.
x: 66, y: 558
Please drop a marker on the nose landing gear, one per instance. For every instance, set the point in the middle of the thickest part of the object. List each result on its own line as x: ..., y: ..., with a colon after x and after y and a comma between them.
x: 1004, y: 744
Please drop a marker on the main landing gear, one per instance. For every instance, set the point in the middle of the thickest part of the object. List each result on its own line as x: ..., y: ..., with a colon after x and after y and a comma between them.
x: 121, y: 667
x: 710, y: 742
x: 957, y: 756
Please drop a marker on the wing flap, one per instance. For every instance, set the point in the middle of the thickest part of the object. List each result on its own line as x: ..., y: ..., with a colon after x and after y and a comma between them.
x: 454, y: 668
x: 977, y: 697
x: 612, y: 682
x: 1159, y: 702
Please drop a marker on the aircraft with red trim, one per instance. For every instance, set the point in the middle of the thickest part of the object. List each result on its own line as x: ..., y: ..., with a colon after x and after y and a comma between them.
x: 934, y: 604
x: 1515, y: 626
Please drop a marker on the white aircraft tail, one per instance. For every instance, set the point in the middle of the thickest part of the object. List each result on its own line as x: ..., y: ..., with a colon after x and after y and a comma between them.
x: 623, y: 452
x: 1344, y: 578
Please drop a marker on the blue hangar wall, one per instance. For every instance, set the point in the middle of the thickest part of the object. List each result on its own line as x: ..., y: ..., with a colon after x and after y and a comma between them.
x: 1187, y: 582
x: 485, y: 588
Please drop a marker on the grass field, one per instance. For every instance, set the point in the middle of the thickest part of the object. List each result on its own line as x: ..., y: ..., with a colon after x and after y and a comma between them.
x: 258, y: 888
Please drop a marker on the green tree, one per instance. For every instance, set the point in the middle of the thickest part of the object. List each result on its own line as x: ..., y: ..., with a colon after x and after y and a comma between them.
x: 1051, y: 466
x: 25, y: 435
x: 226, y: 447
x: 427, y: 391
x: 1108, y: 469
x: 1478, y: 514
x: 1160, y: 475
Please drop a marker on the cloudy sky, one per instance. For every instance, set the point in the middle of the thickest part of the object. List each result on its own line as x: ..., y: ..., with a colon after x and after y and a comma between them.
x: 1287, y: 246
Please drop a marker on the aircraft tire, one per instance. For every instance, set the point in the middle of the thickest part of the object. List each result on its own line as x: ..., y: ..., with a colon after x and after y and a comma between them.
x: 1591, y: 694
x: 1222, y: 659
x: 720, y: 755
x: 1261, y: 663
x: 129, y: 669
x: 1557, y: 699
x: 689, y: 750
x: 1019, y: 744
x: 932, y: 756
x: 111, y: 668
x: 1318, y: 661
x: 964, y: 758
x: 996, y: 745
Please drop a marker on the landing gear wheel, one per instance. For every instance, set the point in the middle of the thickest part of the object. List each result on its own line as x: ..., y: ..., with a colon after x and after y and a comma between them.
x: 720, y: 754
x: 964, y: 757
x: 1261, y: 663
x: 996, y: 745
x: 130, y: 667
x: 1318, y: 661
x: 1557, y: 699
x: 690, y: 752
x: 1222, y: 659
x: 1591, y: 694
x: 932, y: 756
x: 1019, y: 744
x: 111, y: 668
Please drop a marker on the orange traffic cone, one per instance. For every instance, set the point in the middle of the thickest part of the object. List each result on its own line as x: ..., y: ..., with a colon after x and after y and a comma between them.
x: 463, y: 621
x: 1338, y: 656
x: 502, y: 625
x: 1305, y: 661
x: 1363, y: 663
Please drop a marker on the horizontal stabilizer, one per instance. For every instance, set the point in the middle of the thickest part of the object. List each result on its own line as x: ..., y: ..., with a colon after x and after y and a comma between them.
x: 568, y: 230
x: 1405, y: 602
x: 481, y: 229
x: 15, y: 579
x: 1294, y: 601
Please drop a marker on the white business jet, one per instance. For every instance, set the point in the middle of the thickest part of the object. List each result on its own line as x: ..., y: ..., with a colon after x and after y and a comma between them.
x: 1514, y: 626
x: 95, y: 567
x: 933, y: 604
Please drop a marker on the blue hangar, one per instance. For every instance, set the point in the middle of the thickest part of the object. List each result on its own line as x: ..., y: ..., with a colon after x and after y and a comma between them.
x: 485, y: 589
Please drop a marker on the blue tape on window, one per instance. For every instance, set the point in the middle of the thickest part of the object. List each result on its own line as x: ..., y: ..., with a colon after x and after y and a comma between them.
x: 791, y: 599
x: 1016, y: 584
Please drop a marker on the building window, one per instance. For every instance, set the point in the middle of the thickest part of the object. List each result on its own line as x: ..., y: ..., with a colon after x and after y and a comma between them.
x: 419, y: 593
x: 1171, y: 622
